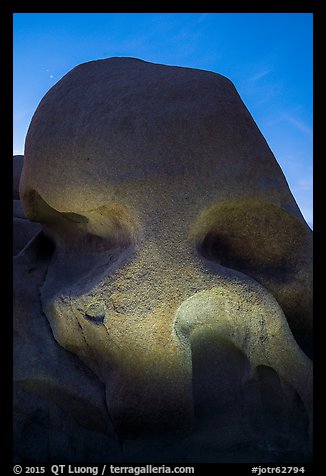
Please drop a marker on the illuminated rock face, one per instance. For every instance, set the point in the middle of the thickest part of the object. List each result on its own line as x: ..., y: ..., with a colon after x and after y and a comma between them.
x: 175, y: 264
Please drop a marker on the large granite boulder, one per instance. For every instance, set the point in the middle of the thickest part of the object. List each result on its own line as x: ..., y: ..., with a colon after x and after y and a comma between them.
x: 176, y: 270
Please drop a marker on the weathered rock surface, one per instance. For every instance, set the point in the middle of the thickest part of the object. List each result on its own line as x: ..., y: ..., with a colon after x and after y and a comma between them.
x: 18, y: 161
x: 180, y: 269
x: 23, y: 232
x: 23, y: 229
x: 59, y: 405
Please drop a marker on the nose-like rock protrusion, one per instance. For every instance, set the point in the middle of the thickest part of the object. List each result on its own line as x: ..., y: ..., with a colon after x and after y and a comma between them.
x: 243, y: 313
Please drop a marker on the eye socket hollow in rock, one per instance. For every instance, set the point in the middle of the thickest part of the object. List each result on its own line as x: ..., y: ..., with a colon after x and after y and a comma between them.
x: 109, y: 226
x: 216, y: 247
x: 268, y: 243
x: 252, y: 236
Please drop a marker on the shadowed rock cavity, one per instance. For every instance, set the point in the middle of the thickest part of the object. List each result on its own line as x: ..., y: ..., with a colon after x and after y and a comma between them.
x: 267, y: 243
x: 178, y: 281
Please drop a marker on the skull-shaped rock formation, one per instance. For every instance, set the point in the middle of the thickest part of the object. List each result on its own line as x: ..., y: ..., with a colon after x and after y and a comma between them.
x: 174, y: 269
